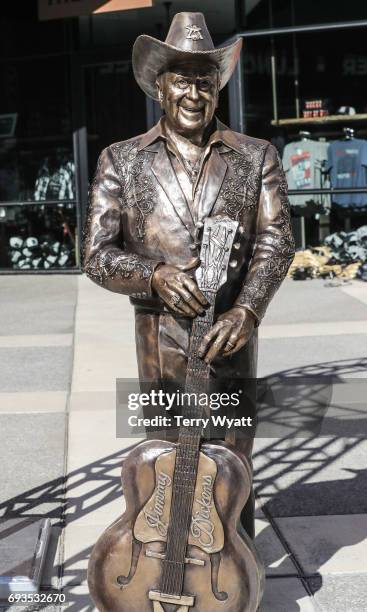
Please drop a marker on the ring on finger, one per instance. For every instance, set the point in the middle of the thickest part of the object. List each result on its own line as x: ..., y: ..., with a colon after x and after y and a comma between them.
x: 175, y: 300
x: 229, y: 346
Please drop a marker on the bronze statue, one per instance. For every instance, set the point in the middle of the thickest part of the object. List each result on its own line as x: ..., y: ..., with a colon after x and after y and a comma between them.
x: 150, y: 198
x: 179, y: 541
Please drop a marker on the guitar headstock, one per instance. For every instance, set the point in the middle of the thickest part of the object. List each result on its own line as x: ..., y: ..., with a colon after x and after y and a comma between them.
x: 218, y: 237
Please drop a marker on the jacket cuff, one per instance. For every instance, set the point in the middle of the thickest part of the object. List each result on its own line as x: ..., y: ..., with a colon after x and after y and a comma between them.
x: 251, y: 311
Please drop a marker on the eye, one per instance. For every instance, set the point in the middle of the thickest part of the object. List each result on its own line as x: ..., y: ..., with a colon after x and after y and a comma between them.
x: 182, y: 83
x: 205, y: 84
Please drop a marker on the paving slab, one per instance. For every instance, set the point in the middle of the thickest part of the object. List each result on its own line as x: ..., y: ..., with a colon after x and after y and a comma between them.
x: 274, y: 556
x: 35, y: 369
x: 78, y: 543
x: 287, y: 595
x: 341, y: 593
x: 36, y: 340
x: 324, y: 328
x: 327, y: 544
x: 78, y: 599
x: 36, y: 401
x: 37, y: 304
x: 320, y: 476
x: 104, y: 345
x: 308, y: 301
x: 31, y: 479
x: 343, y: 355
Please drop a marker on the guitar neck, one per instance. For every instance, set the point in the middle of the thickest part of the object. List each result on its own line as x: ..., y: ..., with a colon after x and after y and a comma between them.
x: 187, y: 457
x: 217, y: 241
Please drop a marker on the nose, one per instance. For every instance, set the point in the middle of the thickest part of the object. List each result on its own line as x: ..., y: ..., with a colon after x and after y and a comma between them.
x: 193, y: 92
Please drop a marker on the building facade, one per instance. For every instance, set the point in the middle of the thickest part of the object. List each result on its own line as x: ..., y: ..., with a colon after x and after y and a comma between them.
x: 68, y: 91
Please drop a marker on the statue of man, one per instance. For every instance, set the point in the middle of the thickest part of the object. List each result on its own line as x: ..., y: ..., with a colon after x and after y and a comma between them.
x: 151, y: 194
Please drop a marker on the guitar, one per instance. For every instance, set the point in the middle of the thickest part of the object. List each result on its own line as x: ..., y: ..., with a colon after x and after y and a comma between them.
x: 177, y: 548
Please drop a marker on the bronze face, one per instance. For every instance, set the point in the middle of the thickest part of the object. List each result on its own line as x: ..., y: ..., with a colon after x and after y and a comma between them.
x: 189, y: 96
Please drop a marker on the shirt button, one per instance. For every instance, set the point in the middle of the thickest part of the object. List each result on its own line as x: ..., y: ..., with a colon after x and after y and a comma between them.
x: 233, y: 263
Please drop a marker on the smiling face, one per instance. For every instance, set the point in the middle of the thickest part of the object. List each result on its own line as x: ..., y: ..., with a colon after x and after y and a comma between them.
x: 189, y: 96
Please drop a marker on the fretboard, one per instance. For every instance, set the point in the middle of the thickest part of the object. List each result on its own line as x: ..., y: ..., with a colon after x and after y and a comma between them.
x: 187, y: 457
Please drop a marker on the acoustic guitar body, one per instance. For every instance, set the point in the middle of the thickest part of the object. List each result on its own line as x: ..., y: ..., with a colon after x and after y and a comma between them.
x: 222, y: 570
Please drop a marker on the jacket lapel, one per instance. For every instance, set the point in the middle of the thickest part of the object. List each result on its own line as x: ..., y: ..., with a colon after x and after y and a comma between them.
x: 214, y: 174
x: 166, y: 177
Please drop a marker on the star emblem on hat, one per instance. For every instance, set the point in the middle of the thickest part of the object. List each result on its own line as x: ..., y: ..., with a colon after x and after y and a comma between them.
x: 194, y: 32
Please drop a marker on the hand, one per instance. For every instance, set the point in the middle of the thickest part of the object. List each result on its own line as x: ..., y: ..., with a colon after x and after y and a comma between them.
x: 178, y: 290
x: 230, y: 333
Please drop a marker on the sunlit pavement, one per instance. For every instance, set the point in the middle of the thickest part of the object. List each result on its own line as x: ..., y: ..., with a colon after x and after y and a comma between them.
x: 63, y: 343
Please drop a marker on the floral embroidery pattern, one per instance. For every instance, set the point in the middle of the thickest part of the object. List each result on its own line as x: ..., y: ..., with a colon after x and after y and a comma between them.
x: 138, y: 187
x: 112, y: 263
x: 259, y: 290
x: 242, y: 189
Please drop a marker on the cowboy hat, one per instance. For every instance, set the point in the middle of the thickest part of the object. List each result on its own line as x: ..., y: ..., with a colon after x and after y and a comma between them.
x: 188, y: 39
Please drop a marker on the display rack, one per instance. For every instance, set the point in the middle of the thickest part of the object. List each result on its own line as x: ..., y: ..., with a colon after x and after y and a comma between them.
x: 320, y: 120
x: 38, y: 202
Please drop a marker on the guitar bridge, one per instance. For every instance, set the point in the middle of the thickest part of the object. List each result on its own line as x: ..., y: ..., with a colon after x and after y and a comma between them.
x: 158, y: 555
x: 184, y: 601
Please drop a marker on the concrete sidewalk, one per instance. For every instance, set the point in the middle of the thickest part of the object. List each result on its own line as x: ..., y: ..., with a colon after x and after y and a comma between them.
x: 63, y: 343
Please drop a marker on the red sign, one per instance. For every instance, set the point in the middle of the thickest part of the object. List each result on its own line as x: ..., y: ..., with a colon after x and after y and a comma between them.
x: 58, y: 9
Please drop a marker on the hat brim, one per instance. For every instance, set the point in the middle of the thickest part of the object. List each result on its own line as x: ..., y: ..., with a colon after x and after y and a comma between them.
x: 151, y: 57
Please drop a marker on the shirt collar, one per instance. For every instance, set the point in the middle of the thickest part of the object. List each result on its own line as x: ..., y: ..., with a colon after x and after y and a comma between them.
x: 222, y: 135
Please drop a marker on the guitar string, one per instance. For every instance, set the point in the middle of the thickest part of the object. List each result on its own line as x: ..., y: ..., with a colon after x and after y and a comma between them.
x: 187, y: 457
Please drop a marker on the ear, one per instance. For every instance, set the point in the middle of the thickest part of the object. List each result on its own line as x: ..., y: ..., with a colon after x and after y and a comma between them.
x: 218, y: 88
x: 217, y: 103
x: 160, y: 93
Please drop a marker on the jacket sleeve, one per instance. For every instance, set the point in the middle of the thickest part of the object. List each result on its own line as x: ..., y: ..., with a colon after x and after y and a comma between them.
x: 274, y: 244
x: 104, y: 259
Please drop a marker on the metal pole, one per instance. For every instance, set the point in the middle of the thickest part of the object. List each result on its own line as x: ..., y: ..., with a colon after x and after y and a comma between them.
x: 236, y: 98
x: 273, y: 66
x: 80, y: 147
x: 274, y: 81
x: 331, y: 191
x: 295, y: 65
x: 318, y: 27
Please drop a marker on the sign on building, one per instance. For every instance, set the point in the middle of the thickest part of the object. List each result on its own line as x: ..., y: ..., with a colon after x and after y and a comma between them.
x: 58, y: 9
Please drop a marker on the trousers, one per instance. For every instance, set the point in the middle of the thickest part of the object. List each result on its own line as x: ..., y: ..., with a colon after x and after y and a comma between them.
x: 162, y: 346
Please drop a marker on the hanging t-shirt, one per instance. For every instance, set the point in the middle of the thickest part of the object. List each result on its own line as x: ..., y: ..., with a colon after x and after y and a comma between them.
x: 347, y: 161
x: 304, y: 163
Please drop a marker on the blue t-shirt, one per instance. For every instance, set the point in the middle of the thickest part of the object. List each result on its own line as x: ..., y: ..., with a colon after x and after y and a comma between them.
x: 347, y: 161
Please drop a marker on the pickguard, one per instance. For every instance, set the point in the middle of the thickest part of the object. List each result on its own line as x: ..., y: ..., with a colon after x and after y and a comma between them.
x: 206, y: 530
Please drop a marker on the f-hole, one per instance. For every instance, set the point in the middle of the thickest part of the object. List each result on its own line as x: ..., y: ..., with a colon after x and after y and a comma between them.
x: 215, y: 563
x: 135, y: 554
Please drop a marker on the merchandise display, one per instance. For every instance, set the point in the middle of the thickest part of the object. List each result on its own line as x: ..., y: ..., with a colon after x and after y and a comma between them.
x: 37, y: 207
x: 38, y: 237
x: 347, y: 164
x: 44, y: 253
x: 315, y: 108
x: 343, y: 255
x: 304, y: 163
x: 55, y: 183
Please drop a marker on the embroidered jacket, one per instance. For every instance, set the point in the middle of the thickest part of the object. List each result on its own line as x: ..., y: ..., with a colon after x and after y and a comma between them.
x: 138, y: 216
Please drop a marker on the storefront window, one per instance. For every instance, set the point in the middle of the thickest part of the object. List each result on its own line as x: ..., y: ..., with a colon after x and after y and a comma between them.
x: 38, y: 227
x: 305, y: 93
